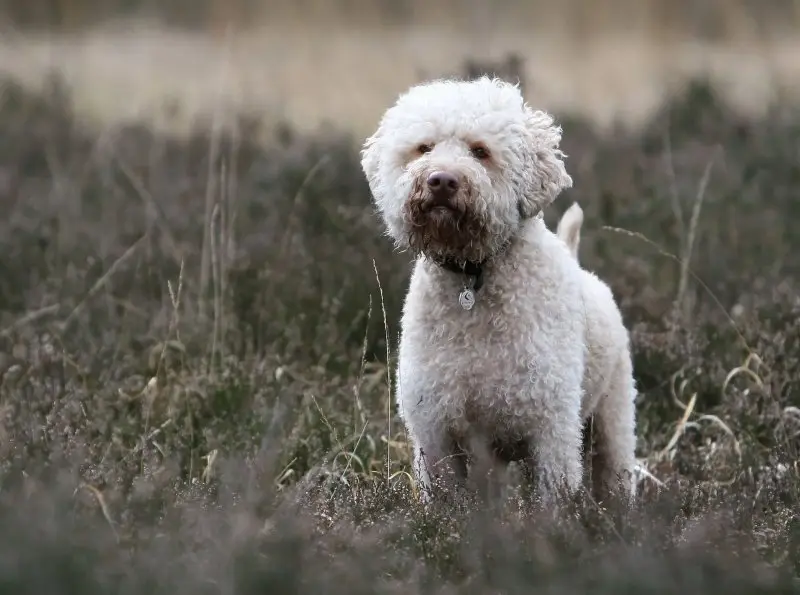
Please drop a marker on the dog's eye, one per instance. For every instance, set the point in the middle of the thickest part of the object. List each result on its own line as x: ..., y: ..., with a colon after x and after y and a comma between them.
x: 479, y: 152
x: 422, y: 149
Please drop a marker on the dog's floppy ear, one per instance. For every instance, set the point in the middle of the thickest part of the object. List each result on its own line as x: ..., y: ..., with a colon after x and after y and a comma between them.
x: 370, y: 158
x: 545, y: 175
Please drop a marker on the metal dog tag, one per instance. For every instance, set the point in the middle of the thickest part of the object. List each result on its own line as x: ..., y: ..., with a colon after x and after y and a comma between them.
x: 466, y: 298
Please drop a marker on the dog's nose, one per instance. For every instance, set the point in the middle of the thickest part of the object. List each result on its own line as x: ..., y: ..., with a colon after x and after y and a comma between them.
x: 443, y: 185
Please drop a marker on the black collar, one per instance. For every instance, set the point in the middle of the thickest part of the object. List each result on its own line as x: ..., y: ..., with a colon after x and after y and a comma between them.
x: 469, y: 268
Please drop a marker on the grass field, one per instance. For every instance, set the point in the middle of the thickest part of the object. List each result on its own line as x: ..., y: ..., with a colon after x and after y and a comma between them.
x: 340, y: 77
x: 197, y: 333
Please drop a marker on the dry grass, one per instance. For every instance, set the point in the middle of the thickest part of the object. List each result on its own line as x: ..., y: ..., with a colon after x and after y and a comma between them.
x: 656, y: 19
x: 346, y: 77
x: 197, y: 339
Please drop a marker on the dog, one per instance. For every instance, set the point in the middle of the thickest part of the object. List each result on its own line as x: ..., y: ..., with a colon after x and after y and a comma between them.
x: 506, y: 342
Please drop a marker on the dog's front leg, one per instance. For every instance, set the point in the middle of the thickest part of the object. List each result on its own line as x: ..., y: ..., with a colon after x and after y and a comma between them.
x: 439, y: 464
x: 553, y: 466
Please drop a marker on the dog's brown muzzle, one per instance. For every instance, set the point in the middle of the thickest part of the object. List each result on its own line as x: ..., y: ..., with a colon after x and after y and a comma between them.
x: 441, y: 215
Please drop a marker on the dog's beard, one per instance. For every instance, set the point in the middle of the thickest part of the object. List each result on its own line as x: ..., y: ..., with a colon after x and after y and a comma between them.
x: 462, y: 233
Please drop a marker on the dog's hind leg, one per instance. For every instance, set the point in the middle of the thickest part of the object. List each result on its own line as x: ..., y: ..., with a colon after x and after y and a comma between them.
x: 614, y: 429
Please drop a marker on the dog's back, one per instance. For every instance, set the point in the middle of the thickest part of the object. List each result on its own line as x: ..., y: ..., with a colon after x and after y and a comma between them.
x: 606, y: 336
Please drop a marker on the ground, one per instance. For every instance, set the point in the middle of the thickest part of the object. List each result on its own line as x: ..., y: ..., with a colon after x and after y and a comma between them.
x: 196, y: 337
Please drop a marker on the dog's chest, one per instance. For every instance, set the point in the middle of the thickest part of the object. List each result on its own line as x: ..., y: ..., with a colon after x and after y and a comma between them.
x: 483, y: 339
x: 471, y: 363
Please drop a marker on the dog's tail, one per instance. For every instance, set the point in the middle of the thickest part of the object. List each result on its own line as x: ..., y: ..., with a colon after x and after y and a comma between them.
x: 569, y: 228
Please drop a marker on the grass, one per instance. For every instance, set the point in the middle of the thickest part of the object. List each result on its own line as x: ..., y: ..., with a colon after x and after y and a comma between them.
x: 196, y: 342
x: 714, y: 19
x: 337, y: 76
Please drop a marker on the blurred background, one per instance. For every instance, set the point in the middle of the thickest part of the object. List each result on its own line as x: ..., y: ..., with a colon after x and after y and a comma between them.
x: 195, y: 289
x: 216, y: 142
x: 343, y: 61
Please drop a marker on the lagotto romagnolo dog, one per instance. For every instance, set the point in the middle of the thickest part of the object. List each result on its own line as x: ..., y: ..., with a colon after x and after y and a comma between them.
x: 505, y: 339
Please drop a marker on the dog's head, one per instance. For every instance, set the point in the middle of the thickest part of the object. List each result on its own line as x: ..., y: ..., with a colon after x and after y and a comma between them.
x: 455, y: 167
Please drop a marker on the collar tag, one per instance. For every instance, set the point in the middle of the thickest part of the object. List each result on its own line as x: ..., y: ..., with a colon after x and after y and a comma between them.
x: 467, y: 296
x: 473, y: 276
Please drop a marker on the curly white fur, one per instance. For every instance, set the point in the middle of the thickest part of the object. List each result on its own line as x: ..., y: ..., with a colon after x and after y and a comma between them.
x: 544, y: 346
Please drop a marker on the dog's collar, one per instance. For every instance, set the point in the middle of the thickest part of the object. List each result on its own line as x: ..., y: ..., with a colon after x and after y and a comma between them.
x: 473, y: 271
x: 470, y: 268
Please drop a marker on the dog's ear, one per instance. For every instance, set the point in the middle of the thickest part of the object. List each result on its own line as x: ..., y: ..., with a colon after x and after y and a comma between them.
x: 370, y: 158
x: 545, y: 175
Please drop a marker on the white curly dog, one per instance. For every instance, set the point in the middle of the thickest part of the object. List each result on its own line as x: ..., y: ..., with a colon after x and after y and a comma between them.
x: 506, y: 342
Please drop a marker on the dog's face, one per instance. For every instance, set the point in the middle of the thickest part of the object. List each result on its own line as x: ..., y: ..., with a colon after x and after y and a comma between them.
x: 455, y: 167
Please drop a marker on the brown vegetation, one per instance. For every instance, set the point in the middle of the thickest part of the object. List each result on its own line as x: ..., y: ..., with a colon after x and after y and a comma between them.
x: 196, y: 339
x: 661, y: 19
